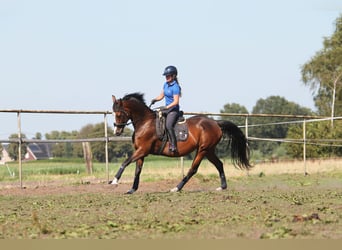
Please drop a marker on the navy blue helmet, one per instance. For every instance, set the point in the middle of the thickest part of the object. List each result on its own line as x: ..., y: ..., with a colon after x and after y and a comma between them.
x: 170, y: 70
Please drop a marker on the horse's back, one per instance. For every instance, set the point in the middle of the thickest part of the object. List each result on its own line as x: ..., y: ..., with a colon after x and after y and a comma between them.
x: 202, y: 120
x: 201, y: 125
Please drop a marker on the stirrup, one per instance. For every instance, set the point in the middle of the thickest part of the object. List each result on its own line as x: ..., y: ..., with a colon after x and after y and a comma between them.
x: 173, y: 148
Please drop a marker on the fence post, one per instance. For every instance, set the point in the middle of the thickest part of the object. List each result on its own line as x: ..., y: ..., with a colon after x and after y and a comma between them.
x: 19, y: 149
x: 182, y: 165
x: 304, y: 147
x: 246, y: 134
x: 106, y: 146
x: 246, y: 126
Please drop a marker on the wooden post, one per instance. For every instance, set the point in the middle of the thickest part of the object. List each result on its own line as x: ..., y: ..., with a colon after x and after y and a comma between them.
x: 304, y: 147
x: 106, y: 146
x: 182, y: 166
x: 19, y: 150
x: 88, y: 157
x: 246, y: 135
x: 246, y: 126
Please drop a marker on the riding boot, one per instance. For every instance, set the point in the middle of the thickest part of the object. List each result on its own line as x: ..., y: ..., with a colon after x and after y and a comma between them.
x: 173, y: 141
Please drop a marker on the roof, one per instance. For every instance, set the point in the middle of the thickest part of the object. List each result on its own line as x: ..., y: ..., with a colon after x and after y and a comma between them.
x: 40, y: 150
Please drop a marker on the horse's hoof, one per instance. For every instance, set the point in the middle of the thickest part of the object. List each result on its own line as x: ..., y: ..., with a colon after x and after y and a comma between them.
x: 114, y: 182
x: 221, y: 188
x: 131, y: 191
x: 173, y: 190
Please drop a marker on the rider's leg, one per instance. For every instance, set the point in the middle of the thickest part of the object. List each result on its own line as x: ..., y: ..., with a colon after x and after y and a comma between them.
x: 171, y: 120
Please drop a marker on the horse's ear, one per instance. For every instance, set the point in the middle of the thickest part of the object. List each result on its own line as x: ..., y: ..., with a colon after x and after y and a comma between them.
x: 113, y: 98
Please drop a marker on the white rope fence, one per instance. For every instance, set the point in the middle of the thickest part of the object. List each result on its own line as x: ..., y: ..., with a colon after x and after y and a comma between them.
x: 317, y: 142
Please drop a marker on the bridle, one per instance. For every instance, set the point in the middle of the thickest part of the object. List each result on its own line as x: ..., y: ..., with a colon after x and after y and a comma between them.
x: 119, y: 108
x: 122, y: 125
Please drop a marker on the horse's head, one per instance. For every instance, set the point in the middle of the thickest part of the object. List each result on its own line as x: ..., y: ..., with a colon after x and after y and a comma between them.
x: 130, y: 107
x: 121, y: 116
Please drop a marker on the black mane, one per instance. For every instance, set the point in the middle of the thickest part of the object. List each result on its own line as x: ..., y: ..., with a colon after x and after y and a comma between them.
x: 137, y: 95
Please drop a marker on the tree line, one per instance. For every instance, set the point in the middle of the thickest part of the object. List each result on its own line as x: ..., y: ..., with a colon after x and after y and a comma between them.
x: 280, y: 129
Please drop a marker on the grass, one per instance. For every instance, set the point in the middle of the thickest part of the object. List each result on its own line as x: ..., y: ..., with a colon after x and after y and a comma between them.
x: 272, y: 201
x: 155, y: 168
x: 285, y: 206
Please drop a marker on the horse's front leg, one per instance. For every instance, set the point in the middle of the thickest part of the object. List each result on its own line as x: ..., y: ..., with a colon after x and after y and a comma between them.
x: 117, y: 177
x: 138, y: 169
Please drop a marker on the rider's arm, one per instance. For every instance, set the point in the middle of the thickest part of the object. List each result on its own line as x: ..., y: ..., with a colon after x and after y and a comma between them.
x: 159, y: 97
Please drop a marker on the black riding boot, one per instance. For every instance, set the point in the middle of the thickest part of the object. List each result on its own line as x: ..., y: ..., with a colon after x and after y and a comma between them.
x: 173, y: 141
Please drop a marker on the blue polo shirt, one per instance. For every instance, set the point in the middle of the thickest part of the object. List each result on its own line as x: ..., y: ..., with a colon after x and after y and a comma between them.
x: 171, y: 89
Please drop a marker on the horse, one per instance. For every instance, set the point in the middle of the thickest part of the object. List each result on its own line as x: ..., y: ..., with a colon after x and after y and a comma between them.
x: 204, y: 134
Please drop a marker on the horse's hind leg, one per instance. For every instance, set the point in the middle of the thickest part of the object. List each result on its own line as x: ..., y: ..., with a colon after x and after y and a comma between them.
x: 212, y: 157
x: 193, y: 170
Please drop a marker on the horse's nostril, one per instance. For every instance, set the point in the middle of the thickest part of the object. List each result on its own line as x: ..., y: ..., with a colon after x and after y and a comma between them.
x: 118, y: 131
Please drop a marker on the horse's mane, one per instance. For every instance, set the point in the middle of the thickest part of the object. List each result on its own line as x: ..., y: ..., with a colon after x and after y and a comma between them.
x: 137, y: 95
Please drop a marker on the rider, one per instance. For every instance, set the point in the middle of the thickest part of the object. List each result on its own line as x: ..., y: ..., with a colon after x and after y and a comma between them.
x: 171, y: 92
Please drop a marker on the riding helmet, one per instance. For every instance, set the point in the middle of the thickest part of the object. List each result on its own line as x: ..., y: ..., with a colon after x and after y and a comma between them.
x: 170, y: 70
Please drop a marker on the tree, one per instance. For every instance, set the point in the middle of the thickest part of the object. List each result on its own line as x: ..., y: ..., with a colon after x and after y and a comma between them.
x: 63, y: 149
x: 269, y: 127
x: 115, y: 149
x: 120, y: 149
x: 68, y: 149
x: 13, y: 148
x: 234, y: 108
x: 38, y: 136
x: 315, y: 147
x: 323, y: 73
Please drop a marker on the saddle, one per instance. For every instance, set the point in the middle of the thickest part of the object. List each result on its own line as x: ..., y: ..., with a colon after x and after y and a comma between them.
x: 181, y: 128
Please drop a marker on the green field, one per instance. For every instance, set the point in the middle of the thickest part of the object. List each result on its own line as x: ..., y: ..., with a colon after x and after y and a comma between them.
x: 35, y: 169
x: 255, y: 206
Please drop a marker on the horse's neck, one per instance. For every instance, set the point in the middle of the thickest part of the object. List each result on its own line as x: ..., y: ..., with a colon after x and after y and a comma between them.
x: 142, y: 116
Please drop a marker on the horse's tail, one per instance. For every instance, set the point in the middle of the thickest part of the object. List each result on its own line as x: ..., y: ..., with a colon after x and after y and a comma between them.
x: 239, y: 144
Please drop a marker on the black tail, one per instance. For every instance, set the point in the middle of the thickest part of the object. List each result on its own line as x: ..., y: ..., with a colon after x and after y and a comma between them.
x: 239, y: 144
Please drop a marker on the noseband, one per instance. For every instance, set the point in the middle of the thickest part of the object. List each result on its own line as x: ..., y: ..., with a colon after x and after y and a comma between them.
x: 121, y: 125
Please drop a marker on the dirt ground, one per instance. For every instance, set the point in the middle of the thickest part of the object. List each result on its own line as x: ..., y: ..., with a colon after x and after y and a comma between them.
x: 267, y: 204
x: 94, y: 186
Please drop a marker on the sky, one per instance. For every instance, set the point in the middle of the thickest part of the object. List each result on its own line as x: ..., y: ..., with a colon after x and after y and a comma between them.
x: 74, y: 54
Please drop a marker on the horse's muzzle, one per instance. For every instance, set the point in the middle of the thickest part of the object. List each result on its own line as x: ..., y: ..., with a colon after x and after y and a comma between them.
x: 118, y: 131
x: 118, y: 128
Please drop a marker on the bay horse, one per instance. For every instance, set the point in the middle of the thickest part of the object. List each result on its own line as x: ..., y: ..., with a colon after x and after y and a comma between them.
x: 204, y: 134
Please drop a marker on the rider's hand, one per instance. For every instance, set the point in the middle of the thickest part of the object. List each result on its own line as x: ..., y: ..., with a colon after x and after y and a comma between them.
x: 153, y: 101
